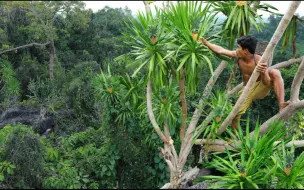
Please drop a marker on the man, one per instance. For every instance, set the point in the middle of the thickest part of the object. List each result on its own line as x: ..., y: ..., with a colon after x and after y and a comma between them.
x: 247, y: 60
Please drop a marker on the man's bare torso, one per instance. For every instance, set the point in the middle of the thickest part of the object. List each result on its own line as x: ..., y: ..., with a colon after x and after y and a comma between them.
x: 247, y: 67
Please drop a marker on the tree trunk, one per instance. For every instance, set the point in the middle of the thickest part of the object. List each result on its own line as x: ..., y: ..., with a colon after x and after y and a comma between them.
x: 52, y: 55
x: 184, y: 104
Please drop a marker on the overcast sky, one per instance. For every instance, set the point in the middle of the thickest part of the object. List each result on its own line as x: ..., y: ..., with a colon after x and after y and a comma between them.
x: 136, y: 6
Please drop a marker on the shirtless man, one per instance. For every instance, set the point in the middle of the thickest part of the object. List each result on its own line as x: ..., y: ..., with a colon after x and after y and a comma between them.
x: 247, y: 60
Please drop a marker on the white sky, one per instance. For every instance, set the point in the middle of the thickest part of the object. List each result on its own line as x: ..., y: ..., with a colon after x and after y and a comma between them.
x: 136, y: 6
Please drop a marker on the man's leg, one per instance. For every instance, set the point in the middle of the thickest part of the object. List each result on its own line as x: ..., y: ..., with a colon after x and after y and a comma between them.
x: 278, y: 87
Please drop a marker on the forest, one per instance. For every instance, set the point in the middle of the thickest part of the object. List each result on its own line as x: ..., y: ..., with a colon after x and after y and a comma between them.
x: 115, y: 99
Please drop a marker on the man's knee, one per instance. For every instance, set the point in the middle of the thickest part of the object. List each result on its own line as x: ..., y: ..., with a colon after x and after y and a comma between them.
x: 274, y: 73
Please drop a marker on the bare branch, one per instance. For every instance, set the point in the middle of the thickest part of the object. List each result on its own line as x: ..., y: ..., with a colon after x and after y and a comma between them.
x: 235, y: 89
x: 182, y: 96
x: 286, y: 113
x: 151, y: 114
x: 299, y: 143
x: 187, y: 144
x: 202, y: 126
x: 213, y: 142
x: 287, y: 63
x: 25, y: 46
x: 296, y: 83
x: 269, y: 49
x: 170, y: 165
x: 206, y: 93
x: 175, y: 157
x: 220, y: 146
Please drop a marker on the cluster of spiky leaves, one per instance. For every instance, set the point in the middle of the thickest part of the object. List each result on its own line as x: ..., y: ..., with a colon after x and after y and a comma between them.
x: 240, y: 15
x: 175, y: 47
x: 258, y: 162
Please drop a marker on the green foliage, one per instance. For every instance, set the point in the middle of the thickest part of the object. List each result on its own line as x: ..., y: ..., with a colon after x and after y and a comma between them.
x: 296, y: 124
x: 289, y: 173
x: 240, y: 16
x: 144, y: 51
x: 174, y: 44
x: 10, y: 90
x: 166, y: 106
x: 185, y: 52
x: 221, y: 106
x: 259, y: 162
x: 21, y: 157
x: 82, y: 160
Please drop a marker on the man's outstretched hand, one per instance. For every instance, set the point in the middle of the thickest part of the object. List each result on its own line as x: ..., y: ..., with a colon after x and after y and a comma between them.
x: 203, y: 40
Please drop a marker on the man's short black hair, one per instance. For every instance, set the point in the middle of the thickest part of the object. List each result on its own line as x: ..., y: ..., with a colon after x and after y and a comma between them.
x: 248, y: 42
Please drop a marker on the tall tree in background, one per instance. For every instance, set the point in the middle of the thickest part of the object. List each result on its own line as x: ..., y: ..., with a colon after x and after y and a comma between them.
x: 43, y: 15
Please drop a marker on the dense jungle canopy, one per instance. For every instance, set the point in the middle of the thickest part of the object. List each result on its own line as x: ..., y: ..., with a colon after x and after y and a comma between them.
x: 74, y: 105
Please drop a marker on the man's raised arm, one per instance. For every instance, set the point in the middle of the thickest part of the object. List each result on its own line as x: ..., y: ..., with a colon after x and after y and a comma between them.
x: 218, y: 49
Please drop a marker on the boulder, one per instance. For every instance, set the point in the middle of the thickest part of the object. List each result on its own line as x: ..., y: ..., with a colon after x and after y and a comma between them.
x: 39, y: 119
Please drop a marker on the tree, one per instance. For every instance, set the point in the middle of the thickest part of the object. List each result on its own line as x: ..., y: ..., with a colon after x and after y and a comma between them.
x: 183, y: 58
x: 43, y: 15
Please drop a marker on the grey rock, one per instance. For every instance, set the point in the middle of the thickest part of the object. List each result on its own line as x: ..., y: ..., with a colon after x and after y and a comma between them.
x: 39, y: 119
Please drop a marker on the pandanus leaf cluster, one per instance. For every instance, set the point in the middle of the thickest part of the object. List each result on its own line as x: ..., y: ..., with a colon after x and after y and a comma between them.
x: 184, y: 51
x: 240, y: 16
x: 163, y: 44
x: 258, y: 161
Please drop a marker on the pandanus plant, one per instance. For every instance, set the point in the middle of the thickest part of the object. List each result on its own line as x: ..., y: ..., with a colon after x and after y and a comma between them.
x: 185, y: 21
x: 240, y: 16
x: 147, y: 38
x: 163, y: 46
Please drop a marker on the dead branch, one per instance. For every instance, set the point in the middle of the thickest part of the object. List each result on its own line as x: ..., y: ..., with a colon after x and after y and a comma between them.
x: 25, y: 46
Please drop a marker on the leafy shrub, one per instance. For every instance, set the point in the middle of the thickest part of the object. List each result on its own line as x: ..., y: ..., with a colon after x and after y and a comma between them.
x: 10, y: 85
x: 22, y: 156
x: 82, y: 160
x: 259, y: 162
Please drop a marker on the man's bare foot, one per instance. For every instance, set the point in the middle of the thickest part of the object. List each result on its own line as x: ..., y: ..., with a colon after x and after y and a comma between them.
x: 283, y: 105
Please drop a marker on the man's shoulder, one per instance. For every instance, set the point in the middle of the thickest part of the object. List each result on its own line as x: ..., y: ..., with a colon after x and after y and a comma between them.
x: 257, y: 57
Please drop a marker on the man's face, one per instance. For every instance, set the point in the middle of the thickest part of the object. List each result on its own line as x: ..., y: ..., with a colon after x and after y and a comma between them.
x: 240, y: 51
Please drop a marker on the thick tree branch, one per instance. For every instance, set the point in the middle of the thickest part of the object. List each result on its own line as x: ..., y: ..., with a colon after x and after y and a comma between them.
x: 187, y: 144
x: 25, y: 46
x: 235, y: 89
x: 206, y: 93
x: 296, y: 83
x: 220, y: 146
x: 286, y: 113
x: 287, y: 63
x: 202, y: 126
x: 182, y: 96
x: 151, y: 114
x: 231, y: 77
x: 212, y: 142
x: 269, y: 49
